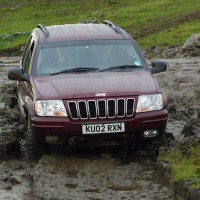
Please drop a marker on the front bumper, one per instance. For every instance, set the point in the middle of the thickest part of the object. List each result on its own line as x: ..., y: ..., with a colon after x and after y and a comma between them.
x: 65, y: 128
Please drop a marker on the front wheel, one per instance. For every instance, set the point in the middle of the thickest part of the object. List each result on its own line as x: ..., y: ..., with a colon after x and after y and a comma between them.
x: 33, y: 149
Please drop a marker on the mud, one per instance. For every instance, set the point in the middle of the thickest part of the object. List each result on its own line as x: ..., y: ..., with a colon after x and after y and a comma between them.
x: 181, y: 86
x: 93, y: 174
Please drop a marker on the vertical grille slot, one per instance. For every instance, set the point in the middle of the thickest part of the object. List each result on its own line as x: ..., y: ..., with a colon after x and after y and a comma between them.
x: 102, y: 108
x: 121, y: 107
x: 129, y: 107
x: 92, y: 109
x: 73, y: 110
x: 82, y: 109
x: 111, y: 108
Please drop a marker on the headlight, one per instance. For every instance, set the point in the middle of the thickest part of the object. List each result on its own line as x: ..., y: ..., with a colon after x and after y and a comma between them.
x: 149, y: 103
x: 50, y: 108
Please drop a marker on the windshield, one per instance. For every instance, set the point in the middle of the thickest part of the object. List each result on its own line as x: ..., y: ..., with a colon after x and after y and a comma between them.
x: 99, y: 55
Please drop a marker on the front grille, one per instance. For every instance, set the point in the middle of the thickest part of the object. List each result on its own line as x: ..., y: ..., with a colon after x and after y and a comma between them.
x: 101, y: 109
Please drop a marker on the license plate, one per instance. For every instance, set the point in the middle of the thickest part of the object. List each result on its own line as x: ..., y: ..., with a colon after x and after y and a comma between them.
x: 103, y: 128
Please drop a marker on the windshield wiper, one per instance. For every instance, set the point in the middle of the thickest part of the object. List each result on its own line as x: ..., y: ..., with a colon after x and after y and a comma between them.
x: 121, y: 67
x: 77, y: 69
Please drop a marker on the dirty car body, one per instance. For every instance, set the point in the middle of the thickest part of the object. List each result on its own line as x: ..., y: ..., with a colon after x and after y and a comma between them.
x: 91, y: 83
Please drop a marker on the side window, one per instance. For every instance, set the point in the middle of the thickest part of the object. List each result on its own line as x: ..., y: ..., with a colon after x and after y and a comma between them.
x: 27, y: 56
x: 27, y: 62
x: 27, y: 47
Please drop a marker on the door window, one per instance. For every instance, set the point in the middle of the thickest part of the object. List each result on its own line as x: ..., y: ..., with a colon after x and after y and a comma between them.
x: 28, y: 55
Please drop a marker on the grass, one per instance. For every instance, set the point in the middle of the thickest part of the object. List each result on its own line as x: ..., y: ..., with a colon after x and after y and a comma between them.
x: 184, y: 165
x: 139, y: 18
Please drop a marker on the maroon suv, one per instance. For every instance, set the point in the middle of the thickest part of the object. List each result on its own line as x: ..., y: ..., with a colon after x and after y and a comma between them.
x: 88, y: 83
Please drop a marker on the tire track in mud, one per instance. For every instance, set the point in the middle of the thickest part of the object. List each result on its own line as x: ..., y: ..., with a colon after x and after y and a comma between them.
x: 96, y: 177
x: 161, y: 24
x: 72, y: 177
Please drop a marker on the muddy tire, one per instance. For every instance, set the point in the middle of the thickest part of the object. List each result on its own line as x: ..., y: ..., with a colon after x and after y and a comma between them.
x: 165, y: 139
x: 152, y: 147
x: 33, y: 149
x: 162, y: 140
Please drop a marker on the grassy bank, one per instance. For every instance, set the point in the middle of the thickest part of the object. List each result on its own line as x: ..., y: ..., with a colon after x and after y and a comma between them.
x: 184, y: 163
x: 151, y: 23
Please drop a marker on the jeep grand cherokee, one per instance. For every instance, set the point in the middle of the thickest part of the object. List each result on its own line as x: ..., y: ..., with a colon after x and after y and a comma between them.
x: 89, y: 83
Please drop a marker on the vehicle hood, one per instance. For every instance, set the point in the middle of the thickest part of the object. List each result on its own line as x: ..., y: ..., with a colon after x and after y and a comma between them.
x: 87, y: 85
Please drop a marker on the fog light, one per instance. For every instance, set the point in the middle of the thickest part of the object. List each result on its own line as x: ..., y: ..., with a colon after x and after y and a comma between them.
x: 52, y: 139
x: 150, y: 133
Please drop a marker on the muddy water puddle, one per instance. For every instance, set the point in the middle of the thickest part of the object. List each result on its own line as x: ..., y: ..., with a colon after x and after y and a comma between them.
x: 100, y: 176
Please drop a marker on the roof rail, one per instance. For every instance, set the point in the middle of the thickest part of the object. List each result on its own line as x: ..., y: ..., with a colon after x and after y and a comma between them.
x: 43, y: 29
x: 113, y: 26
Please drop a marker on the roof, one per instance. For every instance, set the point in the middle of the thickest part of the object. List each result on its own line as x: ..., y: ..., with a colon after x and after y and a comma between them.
x: 73, y: 32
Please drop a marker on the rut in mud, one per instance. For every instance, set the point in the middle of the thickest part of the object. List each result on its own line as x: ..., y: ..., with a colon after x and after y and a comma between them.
x: 161, y: 24
x: 92, y: 174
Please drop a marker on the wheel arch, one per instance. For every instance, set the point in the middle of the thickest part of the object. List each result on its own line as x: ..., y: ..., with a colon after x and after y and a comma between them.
x: 28, y: 108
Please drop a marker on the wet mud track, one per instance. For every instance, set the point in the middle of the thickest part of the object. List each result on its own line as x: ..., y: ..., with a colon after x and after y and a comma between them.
x: 72, y: 177
x: 93, y: 175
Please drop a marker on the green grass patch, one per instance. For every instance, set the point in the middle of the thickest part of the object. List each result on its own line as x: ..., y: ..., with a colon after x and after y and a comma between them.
x: 132, y: 15
x: 184, y: 164
x: 17, y: 41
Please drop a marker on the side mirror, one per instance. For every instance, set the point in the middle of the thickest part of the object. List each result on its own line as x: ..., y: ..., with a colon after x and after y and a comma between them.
x: 17, y: 75
x: 158, y: 66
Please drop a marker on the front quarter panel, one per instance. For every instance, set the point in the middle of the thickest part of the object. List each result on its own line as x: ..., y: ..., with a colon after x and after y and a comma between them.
x: 31, y: 95
x: 29, y: 104
x: 26, y: 95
